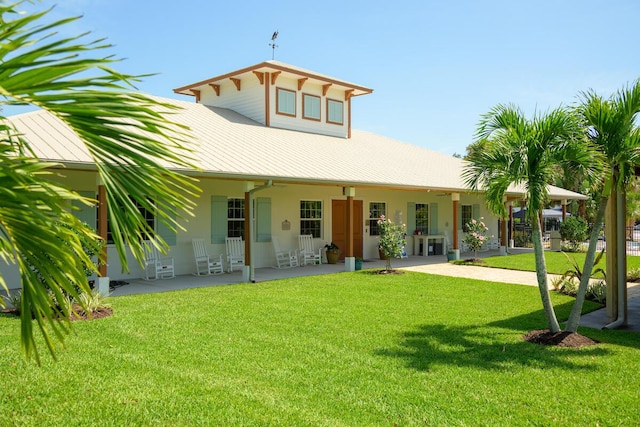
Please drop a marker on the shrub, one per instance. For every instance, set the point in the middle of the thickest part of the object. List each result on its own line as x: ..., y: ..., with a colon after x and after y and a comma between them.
x: 566, y: 285
x: 597, y: 292
x: 633, y: 274
x: 14, y: 300
x: 574, y: 229
x: 475, y: 236
x: 392, y: 239
x: 93, y: 301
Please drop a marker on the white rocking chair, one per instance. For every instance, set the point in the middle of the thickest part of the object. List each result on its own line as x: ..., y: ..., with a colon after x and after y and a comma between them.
x: 235, y: 252
x: 205, y: 265
x: 307, y: 252
x: 162, y: 268
x: 284, y: 259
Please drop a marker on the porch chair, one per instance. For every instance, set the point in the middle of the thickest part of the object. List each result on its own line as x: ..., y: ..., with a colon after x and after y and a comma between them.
x: 162, y: 268
x: 235, y: 252
x: 307, y: 253
x: 284, y: 259
x: 205, y: 265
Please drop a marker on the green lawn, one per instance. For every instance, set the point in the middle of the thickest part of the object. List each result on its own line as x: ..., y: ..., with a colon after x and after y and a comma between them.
x: 557, y: 262
x: 348, y: 349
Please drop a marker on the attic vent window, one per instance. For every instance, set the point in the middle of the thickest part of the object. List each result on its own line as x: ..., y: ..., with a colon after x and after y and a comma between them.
x: 286, y: 102
x: 311, y: 107
x: 335, y: 112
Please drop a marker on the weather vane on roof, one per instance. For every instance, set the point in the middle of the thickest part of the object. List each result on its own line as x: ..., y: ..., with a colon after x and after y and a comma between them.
x: 273, y: 44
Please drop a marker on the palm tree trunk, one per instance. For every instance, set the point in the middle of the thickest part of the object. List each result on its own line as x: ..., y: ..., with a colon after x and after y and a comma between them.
x: 576, y: 310
x: 541, y: 273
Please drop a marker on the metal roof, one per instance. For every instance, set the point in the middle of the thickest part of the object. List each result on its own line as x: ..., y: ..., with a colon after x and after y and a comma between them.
x: 230, y: 145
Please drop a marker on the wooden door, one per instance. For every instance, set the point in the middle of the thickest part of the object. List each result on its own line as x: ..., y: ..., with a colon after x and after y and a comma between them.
x: 339, y: 226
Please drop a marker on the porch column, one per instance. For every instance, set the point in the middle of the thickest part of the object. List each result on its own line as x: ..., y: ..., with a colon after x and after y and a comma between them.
x: 455, y: 198
x: 248, y: 232
x: 511, y: 224
x: 103, y: 279
x: 349, y: 259
x: 564, y: 209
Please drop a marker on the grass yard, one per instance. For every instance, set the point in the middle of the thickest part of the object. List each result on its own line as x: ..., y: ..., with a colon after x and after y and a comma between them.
x: 557, y: 262
x: 348, y: 349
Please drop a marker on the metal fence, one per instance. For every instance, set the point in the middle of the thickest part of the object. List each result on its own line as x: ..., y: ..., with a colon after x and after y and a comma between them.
x: 522, y: 239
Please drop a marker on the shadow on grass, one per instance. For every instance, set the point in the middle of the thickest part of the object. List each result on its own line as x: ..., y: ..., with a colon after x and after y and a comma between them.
x: 484, y: 347
x: 537, y: 320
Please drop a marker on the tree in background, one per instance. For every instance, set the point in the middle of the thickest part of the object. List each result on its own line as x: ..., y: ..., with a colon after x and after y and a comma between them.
x: 128, y: 137
x: 575, y: 230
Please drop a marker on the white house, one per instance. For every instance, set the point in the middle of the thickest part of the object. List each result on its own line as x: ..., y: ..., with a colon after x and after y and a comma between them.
x: 280, y: 137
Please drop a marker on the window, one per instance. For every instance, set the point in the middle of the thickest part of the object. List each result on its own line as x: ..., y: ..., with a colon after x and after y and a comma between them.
x: 147, y: 215
x: 376, y: 210
x: 235, y: 218
x: 311, y: 217
x: 466, y: 216
x: 286, y: 102
x: 422, y: 217
x: 335, y: 112
x: 311, y: 107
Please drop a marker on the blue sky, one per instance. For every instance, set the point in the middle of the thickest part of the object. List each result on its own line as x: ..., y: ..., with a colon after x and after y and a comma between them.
x: 435, y: 66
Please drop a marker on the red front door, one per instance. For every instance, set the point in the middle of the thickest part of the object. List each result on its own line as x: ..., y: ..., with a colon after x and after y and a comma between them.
x: 339, y: 226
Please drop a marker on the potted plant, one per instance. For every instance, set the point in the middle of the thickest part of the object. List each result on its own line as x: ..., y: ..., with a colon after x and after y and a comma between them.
x: 333, y: 253
x: 451, y: 255
x: 358, y: 263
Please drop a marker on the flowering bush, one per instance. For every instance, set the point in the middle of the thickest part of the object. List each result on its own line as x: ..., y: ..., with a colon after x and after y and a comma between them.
x: 392, y: 239
x: 475, y: 235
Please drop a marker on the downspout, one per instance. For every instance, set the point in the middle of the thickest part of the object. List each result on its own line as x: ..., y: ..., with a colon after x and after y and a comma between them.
x: 622, y: 274
x: 252, y: 231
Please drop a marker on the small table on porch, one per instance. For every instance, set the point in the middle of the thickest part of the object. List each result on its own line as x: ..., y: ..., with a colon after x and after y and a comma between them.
x: 425, y: 238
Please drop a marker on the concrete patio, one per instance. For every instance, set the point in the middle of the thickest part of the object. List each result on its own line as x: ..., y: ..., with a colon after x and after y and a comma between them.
x: 436, y: 264
x: 140, y: 286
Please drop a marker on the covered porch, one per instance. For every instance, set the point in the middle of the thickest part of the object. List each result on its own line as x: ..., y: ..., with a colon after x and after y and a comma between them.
x: 187, y: 281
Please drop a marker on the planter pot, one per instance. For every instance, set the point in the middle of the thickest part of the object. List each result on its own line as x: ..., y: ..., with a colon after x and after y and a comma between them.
x: 451, y: 256
x: 333, y: 257
x: 358, y: 264
x: 382, y: 255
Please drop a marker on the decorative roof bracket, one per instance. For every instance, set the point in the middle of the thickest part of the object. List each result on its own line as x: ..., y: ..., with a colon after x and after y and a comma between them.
x: 235, y: 82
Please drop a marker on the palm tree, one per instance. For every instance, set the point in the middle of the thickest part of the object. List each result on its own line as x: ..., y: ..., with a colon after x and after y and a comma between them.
x: 611, y: 126
x: 526, y: 153
x: 126, y: 133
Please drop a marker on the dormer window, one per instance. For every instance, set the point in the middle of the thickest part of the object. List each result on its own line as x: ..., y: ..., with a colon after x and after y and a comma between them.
x: 335, y: 112
x: 286, y: 102
x: 311, y: 107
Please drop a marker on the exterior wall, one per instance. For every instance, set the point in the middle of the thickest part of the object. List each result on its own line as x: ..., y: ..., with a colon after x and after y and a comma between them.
x: 249, y: 101
x: 305, y: 125
x: 285, y: 206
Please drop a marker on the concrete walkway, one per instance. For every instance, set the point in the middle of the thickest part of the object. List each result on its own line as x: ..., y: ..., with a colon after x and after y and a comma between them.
x: 432, y: 265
